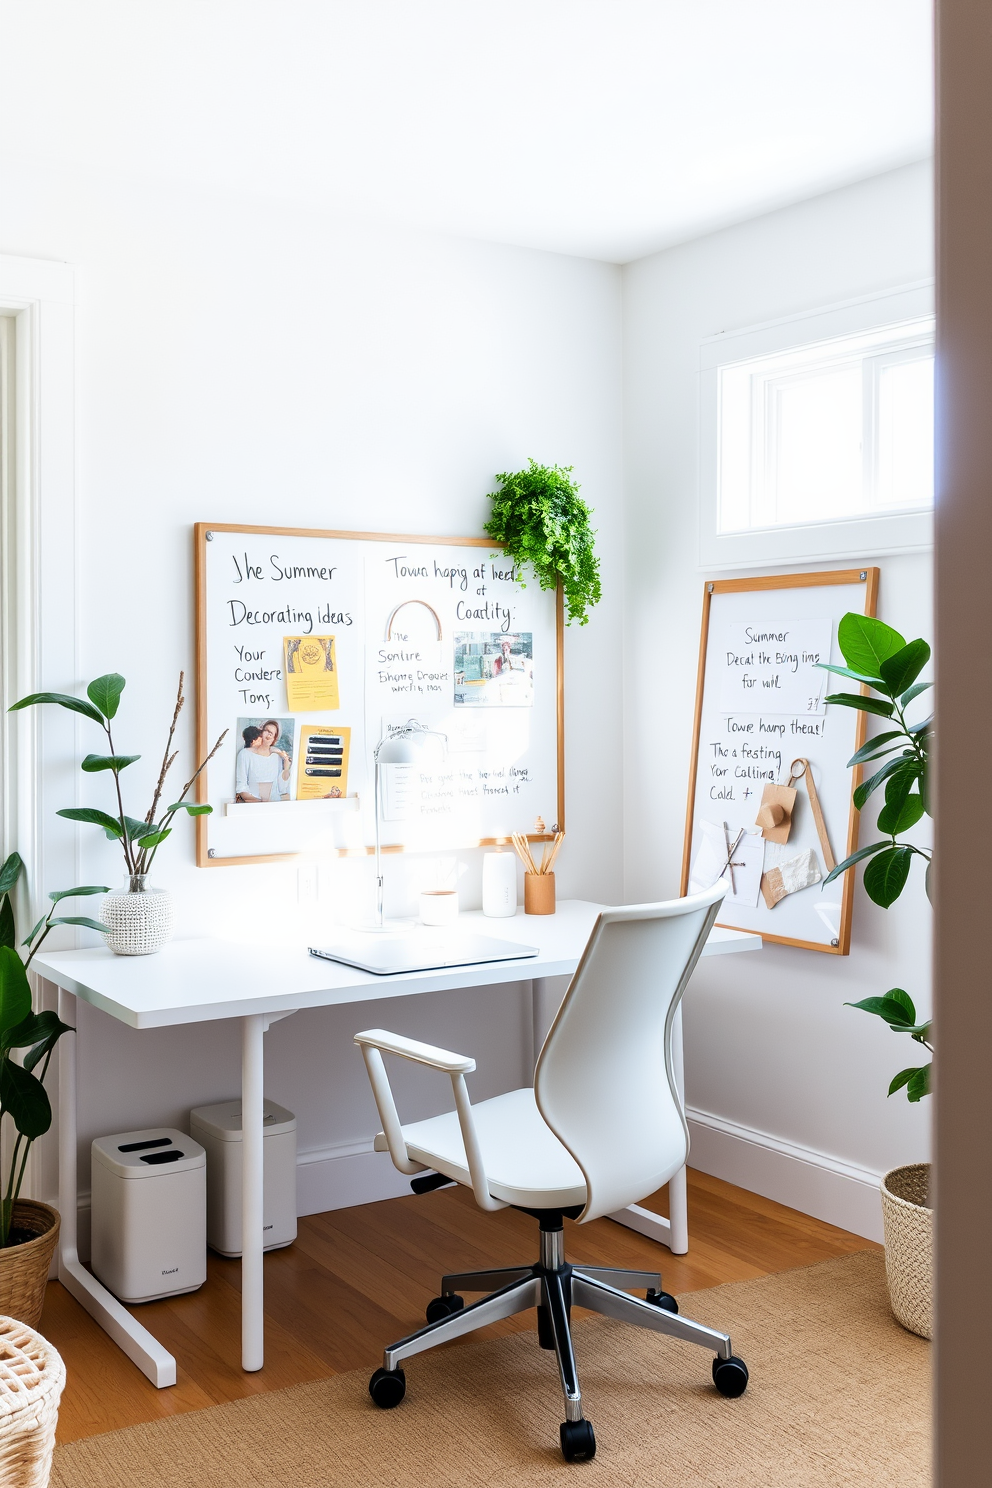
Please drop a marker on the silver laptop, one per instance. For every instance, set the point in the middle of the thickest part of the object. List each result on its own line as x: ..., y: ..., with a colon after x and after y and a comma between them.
x: 389, y: 955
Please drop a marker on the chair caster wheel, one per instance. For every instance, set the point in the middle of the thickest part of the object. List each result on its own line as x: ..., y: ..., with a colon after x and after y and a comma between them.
x: 442, y: 1307
x: 730, y: 1376
x: 387, y: 1387
x: 664, y: 1300
x: 578, y: 1441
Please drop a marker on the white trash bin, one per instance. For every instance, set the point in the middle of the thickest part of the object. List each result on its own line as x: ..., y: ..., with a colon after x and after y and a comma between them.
x: 149, y: 1213
x: 218, y: 1128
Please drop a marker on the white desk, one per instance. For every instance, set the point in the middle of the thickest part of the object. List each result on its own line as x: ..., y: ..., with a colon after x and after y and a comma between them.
x: 196, y: 981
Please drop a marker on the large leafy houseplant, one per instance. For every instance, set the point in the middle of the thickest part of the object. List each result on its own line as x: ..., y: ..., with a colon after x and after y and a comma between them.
x: 881, y: 659
x: 29, y: 1035
x: 141, y: 838
x: 542, y: 521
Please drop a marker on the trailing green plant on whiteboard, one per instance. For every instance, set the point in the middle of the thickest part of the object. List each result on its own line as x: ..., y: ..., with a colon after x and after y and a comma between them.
x: 140, y: 839
x: 881, y: 659
x: 542, y: 521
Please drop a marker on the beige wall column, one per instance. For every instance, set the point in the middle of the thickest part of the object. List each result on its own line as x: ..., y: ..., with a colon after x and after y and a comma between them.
x: 963, y: 991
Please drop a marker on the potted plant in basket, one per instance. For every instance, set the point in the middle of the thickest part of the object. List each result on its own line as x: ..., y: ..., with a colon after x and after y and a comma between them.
x: 541, y: 520
x: 899, y: 758
x: 138, y: 919
x: 28, y: 1228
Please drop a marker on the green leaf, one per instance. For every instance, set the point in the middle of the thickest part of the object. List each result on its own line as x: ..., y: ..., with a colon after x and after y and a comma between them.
x: 891, y: 767
x: 24, y: 1097
x: 899, y: 818
x: 193, y: 810
x: 8, y: 934
x: 921, y: 728
x: 867, y: 751
x: 105, y: 692
x: 825, y: 666
x: 82, y: 920
x: 886, y: 874
x: 10, y: 872
x: 110, y: 824
x: 899, y: 995
x: 862, y: 852
x: 136, y: 828
x: 155, y: 838
x: 76, y: 705
x: 15, y: 993
x: 58, y: 894
x: 94, y: 762
x: 903, y: 1078
x: 902, y: 669
x: 31, y: 934
x: 913, y: 692
x: 887, y: 1008
x: 927, y: 881
x: 919, y: 1085
x: 866, y: 642
x: 40, y: 1031
x: 923, y: 1034
x: 863, y: 704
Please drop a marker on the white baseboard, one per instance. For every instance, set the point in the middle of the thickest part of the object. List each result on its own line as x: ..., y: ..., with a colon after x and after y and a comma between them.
x: 345, y: 1174
x: 812, y: 1182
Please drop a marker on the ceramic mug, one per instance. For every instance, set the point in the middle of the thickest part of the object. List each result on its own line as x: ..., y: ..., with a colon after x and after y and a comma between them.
x: 439, y: 906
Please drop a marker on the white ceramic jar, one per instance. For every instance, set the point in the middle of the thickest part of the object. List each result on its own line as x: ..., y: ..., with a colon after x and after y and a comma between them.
x: 140, y: 918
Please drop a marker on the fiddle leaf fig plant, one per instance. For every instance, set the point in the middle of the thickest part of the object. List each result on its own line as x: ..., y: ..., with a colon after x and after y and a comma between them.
x: 31, y: 1036
x: 881, y: 659
x: 139, y: 839
x: 541, y: 520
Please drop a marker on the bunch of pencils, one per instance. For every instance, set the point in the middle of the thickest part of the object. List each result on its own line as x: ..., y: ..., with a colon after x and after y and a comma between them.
x: 547, y: 858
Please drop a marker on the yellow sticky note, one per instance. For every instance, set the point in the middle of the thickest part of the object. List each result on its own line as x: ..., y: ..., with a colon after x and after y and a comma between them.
x: 311, y: 673
x: 322, y: 772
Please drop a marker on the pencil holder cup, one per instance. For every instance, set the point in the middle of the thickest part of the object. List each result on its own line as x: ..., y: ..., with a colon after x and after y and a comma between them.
x: 539, y: 893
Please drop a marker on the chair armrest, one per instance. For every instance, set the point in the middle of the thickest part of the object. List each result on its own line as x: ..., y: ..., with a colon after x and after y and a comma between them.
x: 395, y: 1043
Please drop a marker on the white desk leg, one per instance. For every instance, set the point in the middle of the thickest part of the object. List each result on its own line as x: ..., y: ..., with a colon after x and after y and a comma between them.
x: 673, y: 1232
x: 141, y: 1348
x: 252, y: 1237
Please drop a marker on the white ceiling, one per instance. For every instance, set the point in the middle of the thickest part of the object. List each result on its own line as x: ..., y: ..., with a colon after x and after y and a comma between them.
x: 606, y: 128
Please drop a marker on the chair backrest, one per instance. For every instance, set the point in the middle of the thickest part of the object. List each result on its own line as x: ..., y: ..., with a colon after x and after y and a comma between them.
x: 604, y: 1082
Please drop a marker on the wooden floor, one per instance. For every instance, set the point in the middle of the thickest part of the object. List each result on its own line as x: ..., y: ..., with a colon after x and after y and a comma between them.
x: 359, y: 1278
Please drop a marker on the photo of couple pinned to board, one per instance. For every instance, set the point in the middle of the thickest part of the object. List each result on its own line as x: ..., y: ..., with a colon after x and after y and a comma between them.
x: 265, y: 759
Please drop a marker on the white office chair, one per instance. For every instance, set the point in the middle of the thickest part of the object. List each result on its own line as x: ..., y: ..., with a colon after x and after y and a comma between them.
x: 602, y: 1128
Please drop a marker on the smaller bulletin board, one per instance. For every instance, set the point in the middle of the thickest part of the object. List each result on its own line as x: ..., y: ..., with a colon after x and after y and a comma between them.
x: 766, y: 744
x: 312, y: 646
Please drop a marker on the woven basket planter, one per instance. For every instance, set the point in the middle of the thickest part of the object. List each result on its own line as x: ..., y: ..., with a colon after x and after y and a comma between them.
x: 140, y: 918
x: 908, y: 1221
x: 24, y: 1268
x: 31, y: 1379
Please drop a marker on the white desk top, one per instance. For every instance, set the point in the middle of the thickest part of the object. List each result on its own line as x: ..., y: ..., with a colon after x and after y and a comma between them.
x: 194, y: 981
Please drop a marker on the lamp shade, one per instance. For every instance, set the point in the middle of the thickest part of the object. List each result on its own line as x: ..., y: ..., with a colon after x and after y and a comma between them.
x: 401, y: 749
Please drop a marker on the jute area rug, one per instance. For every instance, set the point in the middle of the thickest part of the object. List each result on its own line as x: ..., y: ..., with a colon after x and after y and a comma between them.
x: 839, y: 1396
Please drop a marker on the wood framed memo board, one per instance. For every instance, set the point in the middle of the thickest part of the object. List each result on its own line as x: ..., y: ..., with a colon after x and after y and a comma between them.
x: 759, y: 712
x: 313, y: 645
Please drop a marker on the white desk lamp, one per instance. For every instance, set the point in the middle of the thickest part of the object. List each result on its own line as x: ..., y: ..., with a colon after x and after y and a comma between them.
x: 406, y: 746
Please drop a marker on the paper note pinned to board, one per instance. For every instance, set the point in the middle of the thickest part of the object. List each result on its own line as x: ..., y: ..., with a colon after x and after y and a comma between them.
x: 311, y: 673
x: 710, y: 863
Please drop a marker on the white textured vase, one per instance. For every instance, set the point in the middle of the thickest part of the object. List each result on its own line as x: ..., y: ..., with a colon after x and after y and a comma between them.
x: 140, y: 918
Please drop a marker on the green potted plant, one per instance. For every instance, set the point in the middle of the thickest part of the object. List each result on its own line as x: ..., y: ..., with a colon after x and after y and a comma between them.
x: 542, y: 521
x: 138, y: 919
x: 28, y: 1228
x: 887, y: 665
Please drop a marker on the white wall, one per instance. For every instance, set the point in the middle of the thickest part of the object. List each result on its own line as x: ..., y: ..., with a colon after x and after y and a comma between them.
x: 788, y: 1085
x: 242, y: 362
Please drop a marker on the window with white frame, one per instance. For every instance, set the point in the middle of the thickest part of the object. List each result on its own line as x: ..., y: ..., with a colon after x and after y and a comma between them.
x: 827, y: 432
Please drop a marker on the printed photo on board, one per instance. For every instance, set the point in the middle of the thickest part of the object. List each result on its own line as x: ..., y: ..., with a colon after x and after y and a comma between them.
x: 494, y: 670
x: 311, y: 674
x: 264, y: 759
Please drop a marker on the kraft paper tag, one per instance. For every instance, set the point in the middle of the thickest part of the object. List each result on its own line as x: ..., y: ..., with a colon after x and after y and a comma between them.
x: 800, y: 872
x: 775, y: 812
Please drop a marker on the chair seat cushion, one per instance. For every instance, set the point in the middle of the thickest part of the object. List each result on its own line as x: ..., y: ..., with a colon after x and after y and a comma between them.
x: 524, y: 1160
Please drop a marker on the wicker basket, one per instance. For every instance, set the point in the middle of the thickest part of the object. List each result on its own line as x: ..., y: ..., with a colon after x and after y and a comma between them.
x: 24, y: 1268
x: 31, y: 1379
x: 908, y: 1221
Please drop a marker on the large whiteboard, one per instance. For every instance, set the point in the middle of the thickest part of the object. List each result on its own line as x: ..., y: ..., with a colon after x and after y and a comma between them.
x: 340, y: 638
x: 759, y: 707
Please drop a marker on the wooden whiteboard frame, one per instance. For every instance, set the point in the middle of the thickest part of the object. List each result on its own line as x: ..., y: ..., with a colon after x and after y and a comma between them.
x: 200, y: 530
x: 869, y: 578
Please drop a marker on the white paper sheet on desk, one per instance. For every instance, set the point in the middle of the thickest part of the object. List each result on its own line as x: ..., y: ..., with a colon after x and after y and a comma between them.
x: 710, y: 861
